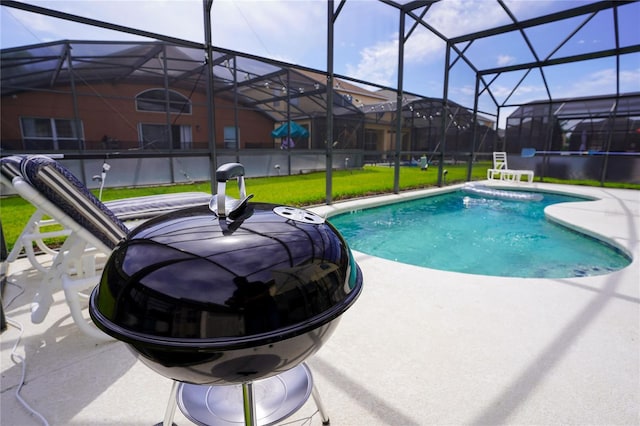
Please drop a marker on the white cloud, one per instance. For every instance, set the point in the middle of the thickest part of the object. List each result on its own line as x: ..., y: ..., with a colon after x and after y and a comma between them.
x: 377, y: 63
x: 181, y: 19
x: 504, y: 60
x: 459, y: 17
x: 284, y: 30
x: 602, y: 78
x: 601, y: 82
x: 465, y: 90
x: 631, y: 78
x: 523, y: 92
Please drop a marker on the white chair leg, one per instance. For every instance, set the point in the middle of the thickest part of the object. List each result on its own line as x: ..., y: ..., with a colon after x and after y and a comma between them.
x: 72, y: 289
x: 44, y: 295
x: 32, y: 233
x: 83, y: 265
x: 28, y: 250
x: 40, y: 236
x: 51, y: 281
x: 20, y: 244
x: 72, y: 258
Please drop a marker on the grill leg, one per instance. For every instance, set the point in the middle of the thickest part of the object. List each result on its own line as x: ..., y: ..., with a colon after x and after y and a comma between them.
x: 170, y: 412
x: 248, y: 404
x: 318, y: 401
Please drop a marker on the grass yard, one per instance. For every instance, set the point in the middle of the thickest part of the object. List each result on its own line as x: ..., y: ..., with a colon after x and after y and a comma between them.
x: 296, y: 190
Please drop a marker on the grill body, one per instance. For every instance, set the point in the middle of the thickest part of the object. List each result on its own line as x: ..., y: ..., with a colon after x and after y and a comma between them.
x: 206, y: 299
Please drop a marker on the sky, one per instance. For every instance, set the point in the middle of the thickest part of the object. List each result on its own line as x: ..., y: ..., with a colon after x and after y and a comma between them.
x: 366, y: 40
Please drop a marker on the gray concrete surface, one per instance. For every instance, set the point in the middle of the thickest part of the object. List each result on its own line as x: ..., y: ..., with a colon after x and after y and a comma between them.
x: 419, y: 347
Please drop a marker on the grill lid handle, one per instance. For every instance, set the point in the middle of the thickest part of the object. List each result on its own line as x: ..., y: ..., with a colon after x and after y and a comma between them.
x: 221, y: 204
x: 229, y: 171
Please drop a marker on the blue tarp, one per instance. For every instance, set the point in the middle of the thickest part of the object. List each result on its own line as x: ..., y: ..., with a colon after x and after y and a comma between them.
x: 296, y: 130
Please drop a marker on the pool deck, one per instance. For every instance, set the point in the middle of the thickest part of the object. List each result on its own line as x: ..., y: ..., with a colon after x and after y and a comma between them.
x: 419, y: 347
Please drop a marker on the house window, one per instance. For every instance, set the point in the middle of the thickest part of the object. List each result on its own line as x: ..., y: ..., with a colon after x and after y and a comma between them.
x: 154, y: 100
x: 370, y: 140
x: 231, y: 135
x: 50, y: 134
x: 156, y: 136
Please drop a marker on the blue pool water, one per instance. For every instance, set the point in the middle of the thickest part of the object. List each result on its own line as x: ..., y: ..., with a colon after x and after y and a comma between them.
x: 461, y: 233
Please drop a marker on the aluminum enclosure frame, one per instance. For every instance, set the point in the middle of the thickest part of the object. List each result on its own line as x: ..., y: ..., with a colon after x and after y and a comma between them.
x: 412, y: 14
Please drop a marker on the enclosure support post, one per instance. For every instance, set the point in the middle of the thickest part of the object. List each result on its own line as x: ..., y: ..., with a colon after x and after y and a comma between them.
x: 474, y: 134
x: 210, y: 100
x: 167, y: 106
x: 614, y: 110
x: 329, y: 139
x: 612, y: 121
x: 445, y: 94
x: 288, y: 145
x: 236, y: 121
x: 396, y: 173
x: 546, y: 160
x: 76, y: 110
x: 497, y: 140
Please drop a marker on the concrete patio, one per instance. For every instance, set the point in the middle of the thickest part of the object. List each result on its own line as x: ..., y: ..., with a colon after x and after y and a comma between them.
x: 419, y: 347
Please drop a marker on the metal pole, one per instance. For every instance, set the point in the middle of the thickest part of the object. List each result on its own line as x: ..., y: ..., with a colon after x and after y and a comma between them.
x: 76, y: 112
x: 167, y: 105
x: 614, y: 111
x: 236, y: 120
x: 3, y: 277
x: 546, y: 160
x: 170, y: 412
x: 445, y: 94
x: 206, y: 4
x: 396, y: 173
x: 497, y: 135
x: 605, y: 163
x: 323, y: 413
x: 288, y: 145
x: 249, y: 405
x: 329, y: 139
x: 475, y: 130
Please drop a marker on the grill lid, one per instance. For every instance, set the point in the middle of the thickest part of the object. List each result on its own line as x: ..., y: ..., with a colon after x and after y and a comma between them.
x: 241, y: 272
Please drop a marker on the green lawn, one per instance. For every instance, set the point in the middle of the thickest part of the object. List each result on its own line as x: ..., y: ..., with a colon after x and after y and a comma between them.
x: 297, y: 190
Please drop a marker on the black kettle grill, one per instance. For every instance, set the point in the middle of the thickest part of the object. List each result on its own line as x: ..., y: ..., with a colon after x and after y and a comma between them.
x: 227, y: 294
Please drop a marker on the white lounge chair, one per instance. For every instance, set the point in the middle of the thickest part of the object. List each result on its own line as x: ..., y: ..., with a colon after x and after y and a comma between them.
x: 92, y: 230
x: 501, y: 170
x: 38, y: 229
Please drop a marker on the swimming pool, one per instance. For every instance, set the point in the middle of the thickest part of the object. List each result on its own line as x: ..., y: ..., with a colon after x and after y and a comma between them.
x: 478, y: 235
